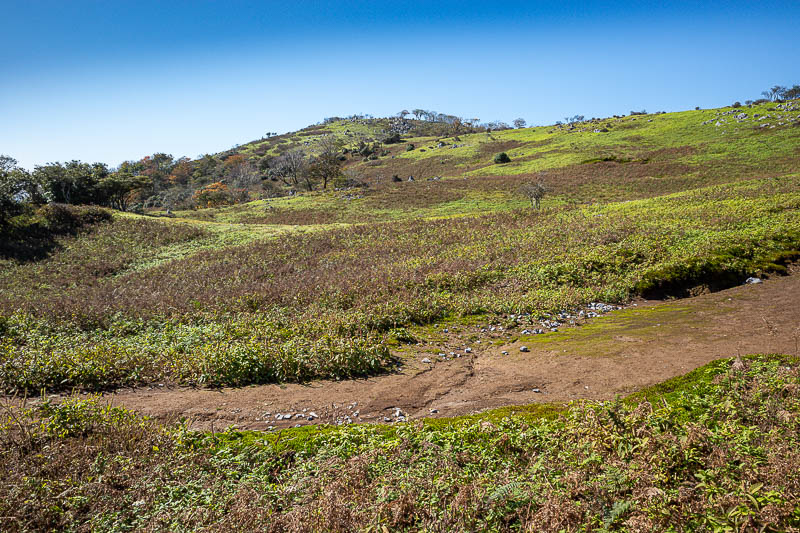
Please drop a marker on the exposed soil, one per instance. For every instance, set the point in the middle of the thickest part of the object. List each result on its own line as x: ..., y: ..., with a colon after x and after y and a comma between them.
x: 615, y: 354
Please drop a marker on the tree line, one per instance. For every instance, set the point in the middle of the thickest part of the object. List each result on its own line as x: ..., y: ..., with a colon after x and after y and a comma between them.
x: 160, y: 180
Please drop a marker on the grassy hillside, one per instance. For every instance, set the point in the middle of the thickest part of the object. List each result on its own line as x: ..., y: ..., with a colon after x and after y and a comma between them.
x: 334, y: 284
x: 322, y: 284
x: 105, y: 311
x: 715, y: 450
x: 636, y: 157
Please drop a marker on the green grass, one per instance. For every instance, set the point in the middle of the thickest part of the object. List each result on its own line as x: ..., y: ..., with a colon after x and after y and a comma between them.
x: 311, y: 286
x: 333, y: 284
x: 599, y: 336
x: 323, y: 303
x: 550, y: 147
x: 713, y: 450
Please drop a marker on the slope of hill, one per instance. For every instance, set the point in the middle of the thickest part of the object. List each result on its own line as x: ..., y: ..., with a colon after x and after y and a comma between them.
x: 433, y: 279
x: 657, y: 205
x: 602, y: 160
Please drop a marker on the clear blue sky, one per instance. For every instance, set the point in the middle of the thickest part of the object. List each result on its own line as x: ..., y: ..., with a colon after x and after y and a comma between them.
x: 112, y: 80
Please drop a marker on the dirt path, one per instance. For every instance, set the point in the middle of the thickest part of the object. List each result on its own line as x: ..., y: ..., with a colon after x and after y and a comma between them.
x: 614, y: 354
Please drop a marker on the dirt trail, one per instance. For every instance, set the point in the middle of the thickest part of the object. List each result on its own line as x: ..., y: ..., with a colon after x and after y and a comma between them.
x: 614, y: 354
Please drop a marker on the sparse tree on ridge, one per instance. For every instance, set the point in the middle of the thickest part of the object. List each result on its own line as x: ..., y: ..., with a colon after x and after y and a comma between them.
x: 774, y: 93
x: 791, y: 94
x: 519, y: 123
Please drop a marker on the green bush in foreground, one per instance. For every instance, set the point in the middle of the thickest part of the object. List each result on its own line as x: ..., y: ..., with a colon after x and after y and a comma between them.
x: 716, y: 450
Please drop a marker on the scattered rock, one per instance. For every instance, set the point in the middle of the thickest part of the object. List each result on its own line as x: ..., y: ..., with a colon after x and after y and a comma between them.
x: 524, y: 349
x: 753, y: 281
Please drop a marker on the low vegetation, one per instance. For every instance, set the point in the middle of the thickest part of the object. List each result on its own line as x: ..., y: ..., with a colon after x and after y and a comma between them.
x: 320, y: 304
x: 716, y: 450
x: 315, y: 254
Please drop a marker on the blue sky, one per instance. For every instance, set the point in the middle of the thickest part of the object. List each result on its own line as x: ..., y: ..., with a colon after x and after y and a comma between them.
x: 111, y: 80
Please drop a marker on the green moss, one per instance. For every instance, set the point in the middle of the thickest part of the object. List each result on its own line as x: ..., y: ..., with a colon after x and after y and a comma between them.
x: 700, y: 380
x: 600, y: 334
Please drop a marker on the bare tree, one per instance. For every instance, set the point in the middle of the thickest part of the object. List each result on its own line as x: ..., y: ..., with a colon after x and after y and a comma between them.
x: 244, y: 175
x: 533, y: 192
x: 289, y: 167
x: 774, y: 93
x: 325, y: 163
x: 457, y: 125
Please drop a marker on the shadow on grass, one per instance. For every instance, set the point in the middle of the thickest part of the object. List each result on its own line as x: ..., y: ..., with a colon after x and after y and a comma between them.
x: 33, y: 236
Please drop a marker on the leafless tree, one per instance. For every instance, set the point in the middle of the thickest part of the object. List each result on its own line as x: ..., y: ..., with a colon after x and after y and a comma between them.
x: 244, y: 175
x: 533, y: 192
x: 774, y: 93
x: 289, y: 167
x: 325, y: 162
